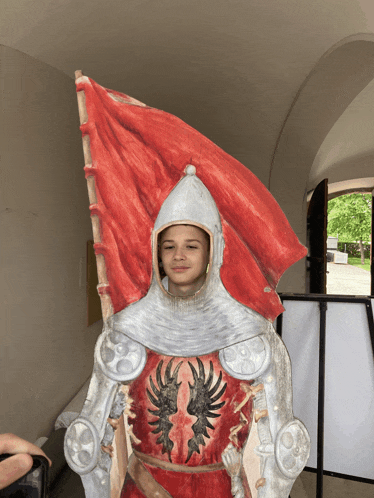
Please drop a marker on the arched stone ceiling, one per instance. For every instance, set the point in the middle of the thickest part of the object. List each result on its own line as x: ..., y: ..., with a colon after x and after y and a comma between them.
x: 335, y: 82
x: 230, y: 68
x: 347, y: 152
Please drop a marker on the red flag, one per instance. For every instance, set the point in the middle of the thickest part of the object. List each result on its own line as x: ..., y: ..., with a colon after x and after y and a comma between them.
x: 138, y: 155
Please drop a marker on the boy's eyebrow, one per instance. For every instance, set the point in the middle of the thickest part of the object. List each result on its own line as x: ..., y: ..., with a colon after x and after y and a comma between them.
x: 187, y: 240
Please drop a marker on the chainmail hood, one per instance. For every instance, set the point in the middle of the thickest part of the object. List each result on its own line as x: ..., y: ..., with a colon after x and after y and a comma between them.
x: 209, y: 320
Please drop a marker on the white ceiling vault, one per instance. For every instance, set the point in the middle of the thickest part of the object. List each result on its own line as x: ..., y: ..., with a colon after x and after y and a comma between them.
x: 251, y: 75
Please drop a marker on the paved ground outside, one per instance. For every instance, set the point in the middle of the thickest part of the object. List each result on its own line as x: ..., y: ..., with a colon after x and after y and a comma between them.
x: 347, y: 279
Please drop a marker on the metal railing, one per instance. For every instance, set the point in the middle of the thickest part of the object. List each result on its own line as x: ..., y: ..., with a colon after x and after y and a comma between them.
x: 323, y: 301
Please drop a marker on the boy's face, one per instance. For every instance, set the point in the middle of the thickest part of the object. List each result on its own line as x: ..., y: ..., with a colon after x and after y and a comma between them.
x: 184, y: 251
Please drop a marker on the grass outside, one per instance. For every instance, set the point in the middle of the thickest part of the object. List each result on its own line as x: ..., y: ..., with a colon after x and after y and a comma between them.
x: 354, y: 261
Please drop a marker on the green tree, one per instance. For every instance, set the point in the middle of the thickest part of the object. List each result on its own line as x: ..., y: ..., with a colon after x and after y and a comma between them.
x: 349, y: 218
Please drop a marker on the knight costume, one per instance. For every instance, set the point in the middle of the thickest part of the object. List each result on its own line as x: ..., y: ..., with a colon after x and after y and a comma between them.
x: 200, y: 370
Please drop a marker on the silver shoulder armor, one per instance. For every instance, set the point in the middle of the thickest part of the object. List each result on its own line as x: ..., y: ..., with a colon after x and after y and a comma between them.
x: 119, y: 357
x: 248, y: 359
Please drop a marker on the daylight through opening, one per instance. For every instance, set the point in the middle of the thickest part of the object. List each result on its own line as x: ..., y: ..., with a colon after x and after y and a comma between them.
x: 349, y: 244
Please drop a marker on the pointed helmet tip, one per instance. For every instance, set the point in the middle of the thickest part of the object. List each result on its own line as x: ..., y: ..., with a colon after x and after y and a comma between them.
x: 190, y: 170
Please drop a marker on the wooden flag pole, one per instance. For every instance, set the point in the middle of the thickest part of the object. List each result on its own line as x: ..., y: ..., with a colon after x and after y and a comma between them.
x: 120, y: 456
x: 106, y: 302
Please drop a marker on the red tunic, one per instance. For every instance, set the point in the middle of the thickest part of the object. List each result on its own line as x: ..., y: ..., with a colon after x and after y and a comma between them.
x: 184, y: 413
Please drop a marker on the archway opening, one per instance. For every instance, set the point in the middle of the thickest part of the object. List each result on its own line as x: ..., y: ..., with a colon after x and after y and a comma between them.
x: 349, y: 235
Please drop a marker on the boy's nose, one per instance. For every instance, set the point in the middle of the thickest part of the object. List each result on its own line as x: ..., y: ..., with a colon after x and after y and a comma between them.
x: 179, y: 254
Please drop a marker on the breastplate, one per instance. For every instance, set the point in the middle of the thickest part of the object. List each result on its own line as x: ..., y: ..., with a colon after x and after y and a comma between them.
x: 187, y: 410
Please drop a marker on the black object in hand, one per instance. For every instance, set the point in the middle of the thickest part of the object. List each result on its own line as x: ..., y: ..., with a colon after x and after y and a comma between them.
x: 34, y: 484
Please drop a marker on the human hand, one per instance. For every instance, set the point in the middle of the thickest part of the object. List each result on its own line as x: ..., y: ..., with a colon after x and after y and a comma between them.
x: 20, y: 463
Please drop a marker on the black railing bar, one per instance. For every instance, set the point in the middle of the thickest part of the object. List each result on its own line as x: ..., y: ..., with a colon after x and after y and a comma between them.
x: 280, y: 324
x: 321, y: 398
x: 324, y: 298
x: 341, y: 476
x: 369, y: 313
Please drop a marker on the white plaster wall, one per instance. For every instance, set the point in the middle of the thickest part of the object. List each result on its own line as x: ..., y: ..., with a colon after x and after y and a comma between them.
x: 46, y: 349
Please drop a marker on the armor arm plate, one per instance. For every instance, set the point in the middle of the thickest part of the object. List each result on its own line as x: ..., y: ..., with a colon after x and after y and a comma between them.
x: 284, y: 441
x: 83, y: 437
x: 117, y: 359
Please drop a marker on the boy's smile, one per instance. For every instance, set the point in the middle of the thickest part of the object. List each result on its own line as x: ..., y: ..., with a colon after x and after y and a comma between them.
x: 184, y: 251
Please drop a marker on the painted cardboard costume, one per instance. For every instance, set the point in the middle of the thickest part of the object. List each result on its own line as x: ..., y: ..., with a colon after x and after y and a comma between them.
x: 199, y: 370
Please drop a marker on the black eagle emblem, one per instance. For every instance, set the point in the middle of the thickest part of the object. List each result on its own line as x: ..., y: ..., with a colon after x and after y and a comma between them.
x: 201, y: 404
x: 164, y: 397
